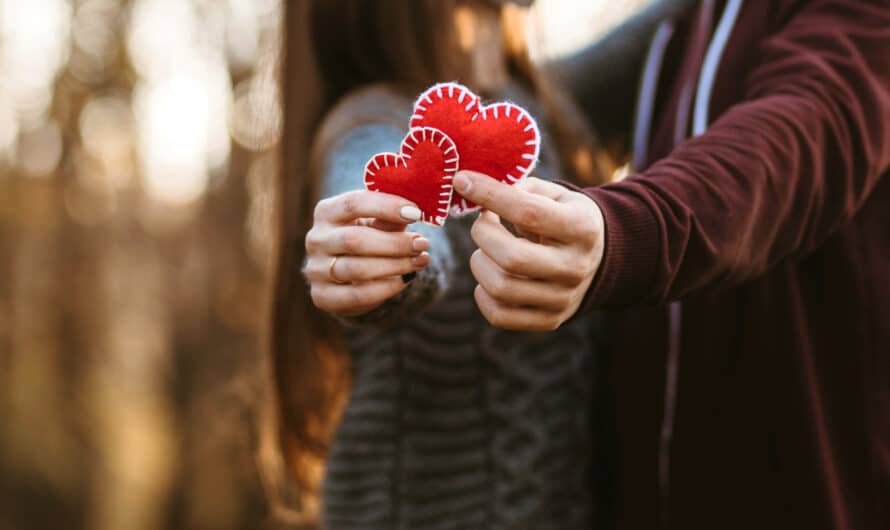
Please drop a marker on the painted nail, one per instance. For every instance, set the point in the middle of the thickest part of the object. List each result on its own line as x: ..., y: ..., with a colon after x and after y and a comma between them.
x: 462, y: 182
x: 408, y: 277
x: 420, y: 244
x: 410, y: 213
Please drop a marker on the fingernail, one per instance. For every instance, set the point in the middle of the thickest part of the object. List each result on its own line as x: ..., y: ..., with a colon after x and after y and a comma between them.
x: 421, y: 260
x: 408, y: 277
x: 410, y: 213
x: 462, y: 182
x: 420, y: 244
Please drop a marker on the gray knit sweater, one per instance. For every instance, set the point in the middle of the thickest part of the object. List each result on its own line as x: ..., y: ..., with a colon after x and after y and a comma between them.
x: 452, y: 423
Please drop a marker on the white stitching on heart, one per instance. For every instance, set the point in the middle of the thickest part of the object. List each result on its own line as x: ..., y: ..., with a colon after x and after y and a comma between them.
x: 428, y: 134
x: 436, y: 92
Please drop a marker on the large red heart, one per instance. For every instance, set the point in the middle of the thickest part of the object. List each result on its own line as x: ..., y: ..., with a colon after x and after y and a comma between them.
x: 500, y: 140
x: 421, y: 172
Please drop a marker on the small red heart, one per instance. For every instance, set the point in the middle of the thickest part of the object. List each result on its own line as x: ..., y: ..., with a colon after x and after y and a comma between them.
x: 421, y: 172
x: 500, y: 140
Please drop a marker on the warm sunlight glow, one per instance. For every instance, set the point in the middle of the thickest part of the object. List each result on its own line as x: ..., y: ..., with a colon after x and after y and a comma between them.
x: 178, y: 119
x: 562, y: 27
x: 182, y: 106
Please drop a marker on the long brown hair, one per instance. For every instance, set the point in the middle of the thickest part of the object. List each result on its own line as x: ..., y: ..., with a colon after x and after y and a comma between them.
x: 334, y: 47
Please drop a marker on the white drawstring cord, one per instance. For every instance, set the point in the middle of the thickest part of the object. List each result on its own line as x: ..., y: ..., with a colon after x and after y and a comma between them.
x: 675, y: 311
x: 710, y: 65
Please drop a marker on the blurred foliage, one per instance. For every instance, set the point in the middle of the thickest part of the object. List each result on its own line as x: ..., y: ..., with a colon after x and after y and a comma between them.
x: 137, y: 157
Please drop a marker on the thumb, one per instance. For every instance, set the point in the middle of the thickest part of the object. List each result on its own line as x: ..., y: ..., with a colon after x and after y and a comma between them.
x: 487, y: 192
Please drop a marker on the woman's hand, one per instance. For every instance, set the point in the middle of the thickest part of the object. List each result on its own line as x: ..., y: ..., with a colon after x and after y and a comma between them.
x: 538, y: 281
x: 358, y: 251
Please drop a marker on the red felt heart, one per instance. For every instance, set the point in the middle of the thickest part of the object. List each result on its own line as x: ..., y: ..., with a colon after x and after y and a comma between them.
x: 421, y: 172
x: 500, y: 140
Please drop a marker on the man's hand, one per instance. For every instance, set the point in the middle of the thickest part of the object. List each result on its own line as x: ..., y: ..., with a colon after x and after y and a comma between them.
x: 537, y: 281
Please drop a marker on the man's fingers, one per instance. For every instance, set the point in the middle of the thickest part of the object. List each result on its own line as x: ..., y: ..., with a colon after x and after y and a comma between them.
x: 354, y: 299
x: 514, y: 291
x: 514, y: 318
x: 348, y: 207
x: 364, y: 241
x: 519, y: 256
x: 360, y: 269
x: 529, y: 211
x: 537, y: 186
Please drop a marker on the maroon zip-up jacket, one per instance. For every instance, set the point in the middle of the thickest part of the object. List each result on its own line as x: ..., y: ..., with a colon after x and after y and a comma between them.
x: 773, y: 230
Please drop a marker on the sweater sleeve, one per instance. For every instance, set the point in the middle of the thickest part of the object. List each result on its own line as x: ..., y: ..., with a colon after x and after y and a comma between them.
x: 343, y: 170
x: 772, y: 178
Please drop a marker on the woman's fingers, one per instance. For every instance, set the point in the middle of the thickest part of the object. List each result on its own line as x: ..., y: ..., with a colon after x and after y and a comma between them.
x: 380, y: 224
x: 348, y: 269
x: 364, y: 241
x: 347, y: 207
x: 366, y: 232
x: 354, y: 299
x: 515, y: 291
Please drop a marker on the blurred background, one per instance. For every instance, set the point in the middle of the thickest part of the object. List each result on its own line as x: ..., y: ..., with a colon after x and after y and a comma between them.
x: 137, y: 161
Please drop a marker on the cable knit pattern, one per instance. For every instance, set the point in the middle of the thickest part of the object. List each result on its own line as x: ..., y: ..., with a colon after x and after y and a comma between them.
x: 454, y: 424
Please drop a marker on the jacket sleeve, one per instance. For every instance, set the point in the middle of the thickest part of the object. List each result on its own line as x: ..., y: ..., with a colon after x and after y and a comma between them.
x: 772, y: 178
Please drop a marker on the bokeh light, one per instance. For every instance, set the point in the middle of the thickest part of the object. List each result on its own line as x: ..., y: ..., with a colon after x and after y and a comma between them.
x: 183, y: 100
x: 106, y: 129
x: 561, y: 27
x: 182, y: 131
x: 40, y: 149
x: 9, y: 131
x: 33, y: 47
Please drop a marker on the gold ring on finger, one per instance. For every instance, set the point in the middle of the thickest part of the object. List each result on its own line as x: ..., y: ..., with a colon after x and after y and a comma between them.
x: 331, y: 272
